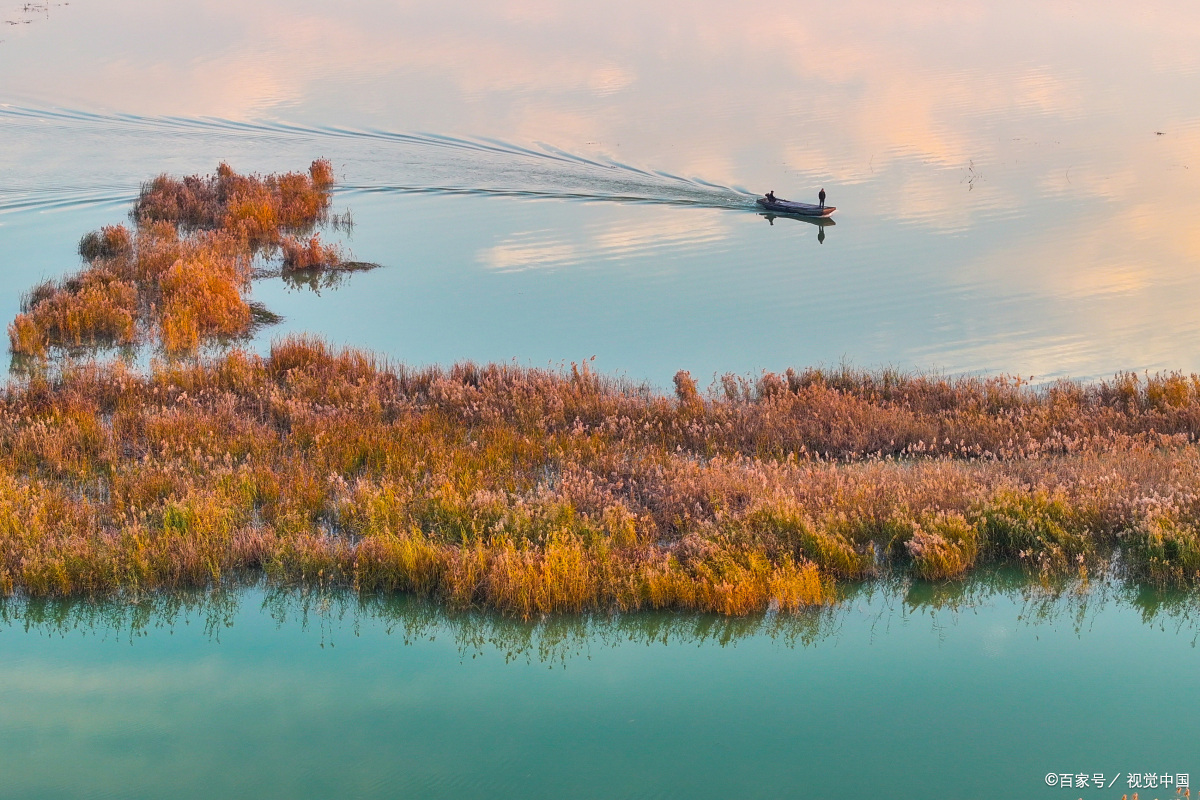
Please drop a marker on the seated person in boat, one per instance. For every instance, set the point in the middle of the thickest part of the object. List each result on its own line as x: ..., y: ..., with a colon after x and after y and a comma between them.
x: 771, y: 196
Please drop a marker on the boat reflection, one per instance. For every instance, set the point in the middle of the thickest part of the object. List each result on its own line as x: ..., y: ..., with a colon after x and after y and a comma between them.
x: 821, y: 222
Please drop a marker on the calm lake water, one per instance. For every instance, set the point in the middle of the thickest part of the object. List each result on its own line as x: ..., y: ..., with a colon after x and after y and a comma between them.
x: 899, y: 693
x: 546, y: 181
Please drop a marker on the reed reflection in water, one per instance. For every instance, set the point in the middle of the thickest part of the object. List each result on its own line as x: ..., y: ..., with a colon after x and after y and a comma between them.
x: 330, y: 613
x: 913, y: 689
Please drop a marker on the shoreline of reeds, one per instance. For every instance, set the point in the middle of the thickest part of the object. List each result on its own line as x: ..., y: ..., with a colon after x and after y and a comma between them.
x: 537, y: 492
x: 530, y: 491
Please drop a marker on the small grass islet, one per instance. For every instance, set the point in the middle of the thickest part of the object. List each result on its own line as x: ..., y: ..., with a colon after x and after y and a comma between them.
x: 529, y: 491
x: 182, y: 275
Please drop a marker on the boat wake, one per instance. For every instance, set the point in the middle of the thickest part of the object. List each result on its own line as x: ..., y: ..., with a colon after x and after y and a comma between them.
x: 94, y: 159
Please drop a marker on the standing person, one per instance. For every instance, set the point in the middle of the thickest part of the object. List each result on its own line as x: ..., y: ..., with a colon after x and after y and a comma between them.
x: 821, y: 196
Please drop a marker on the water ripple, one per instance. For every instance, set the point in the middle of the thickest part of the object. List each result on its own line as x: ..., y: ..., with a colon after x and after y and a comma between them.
x: 417, y: 163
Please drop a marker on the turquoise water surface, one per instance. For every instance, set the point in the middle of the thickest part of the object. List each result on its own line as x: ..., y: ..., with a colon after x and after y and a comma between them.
x: 900, y: 692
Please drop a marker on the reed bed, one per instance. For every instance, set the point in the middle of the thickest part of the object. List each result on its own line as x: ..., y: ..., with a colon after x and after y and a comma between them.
x: 181, y: 277
x: 529, y: 491
x: 536, y: 492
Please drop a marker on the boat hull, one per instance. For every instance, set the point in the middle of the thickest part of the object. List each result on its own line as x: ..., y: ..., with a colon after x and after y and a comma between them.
x: 795, y: 209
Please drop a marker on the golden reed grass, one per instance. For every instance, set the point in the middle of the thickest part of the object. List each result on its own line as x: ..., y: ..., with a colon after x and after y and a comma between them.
x: 182, y: 276
x: 537, y: 492
x: 529, y: 491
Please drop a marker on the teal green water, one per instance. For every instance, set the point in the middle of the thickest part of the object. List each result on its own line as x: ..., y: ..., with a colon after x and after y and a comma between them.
x: 892, y: 694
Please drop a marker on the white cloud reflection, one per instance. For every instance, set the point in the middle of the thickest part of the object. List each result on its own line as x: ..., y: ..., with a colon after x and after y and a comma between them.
x: 624, y: 238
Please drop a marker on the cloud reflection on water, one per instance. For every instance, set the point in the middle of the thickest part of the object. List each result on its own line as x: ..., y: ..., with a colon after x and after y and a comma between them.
x: 665, y: 228
x: 1004, y: 156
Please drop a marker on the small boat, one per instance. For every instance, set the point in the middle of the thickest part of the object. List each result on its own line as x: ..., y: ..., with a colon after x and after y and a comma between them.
x: 795, y: 209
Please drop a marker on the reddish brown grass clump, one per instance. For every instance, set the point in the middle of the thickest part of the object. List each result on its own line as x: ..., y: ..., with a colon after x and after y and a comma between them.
x: 201, y: 298
x: 321, y: 174
x: 309, y: 254
x: 93, y: 308
x: 260, y: 209
x: 111, y: 241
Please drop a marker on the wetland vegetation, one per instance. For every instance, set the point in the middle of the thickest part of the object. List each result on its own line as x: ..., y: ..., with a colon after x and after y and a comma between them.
x: 182, y: 275
x: 237, y: 558
x: 524, y: 490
